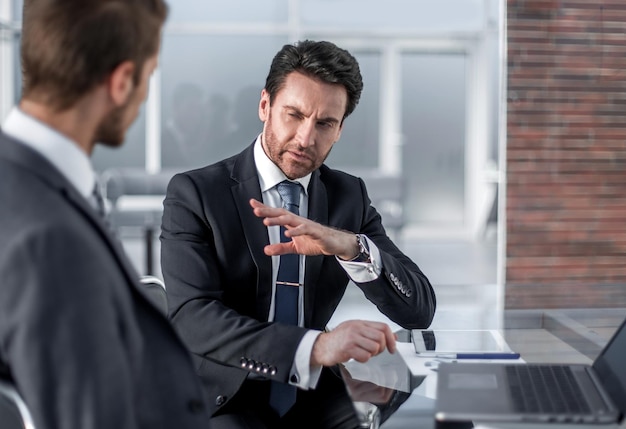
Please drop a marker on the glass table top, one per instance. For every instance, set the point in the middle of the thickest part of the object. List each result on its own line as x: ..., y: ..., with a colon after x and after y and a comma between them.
x: 393, y: 391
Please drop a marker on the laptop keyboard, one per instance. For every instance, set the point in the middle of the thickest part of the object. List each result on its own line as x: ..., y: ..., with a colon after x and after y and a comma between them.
x: 545, y: 389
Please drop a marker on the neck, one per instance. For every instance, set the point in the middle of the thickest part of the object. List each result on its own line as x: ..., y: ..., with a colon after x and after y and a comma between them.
x: 79, y: 122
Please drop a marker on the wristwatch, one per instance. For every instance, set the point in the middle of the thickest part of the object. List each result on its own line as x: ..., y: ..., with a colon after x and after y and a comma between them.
x: 364, y: 252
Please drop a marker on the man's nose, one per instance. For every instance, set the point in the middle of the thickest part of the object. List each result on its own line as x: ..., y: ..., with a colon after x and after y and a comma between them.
x: 306, y: 133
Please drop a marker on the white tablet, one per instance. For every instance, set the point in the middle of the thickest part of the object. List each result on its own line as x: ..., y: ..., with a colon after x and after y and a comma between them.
x: 440, y: 342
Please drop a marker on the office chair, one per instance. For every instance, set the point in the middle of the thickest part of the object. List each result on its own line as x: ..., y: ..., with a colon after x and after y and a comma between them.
x: 156, y: 291
x: 13, y: 411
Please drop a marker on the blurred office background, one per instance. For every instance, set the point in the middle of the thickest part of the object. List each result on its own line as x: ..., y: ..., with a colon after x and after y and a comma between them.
x: 499, y: 124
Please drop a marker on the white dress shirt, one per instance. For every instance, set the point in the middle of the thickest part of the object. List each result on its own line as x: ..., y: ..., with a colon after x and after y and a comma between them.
x: 59, y: 150
x: 269, y: 176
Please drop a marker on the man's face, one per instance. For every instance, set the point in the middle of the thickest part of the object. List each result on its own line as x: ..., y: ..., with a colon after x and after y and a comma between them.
x: 302, y: 124
x: 112, y: 130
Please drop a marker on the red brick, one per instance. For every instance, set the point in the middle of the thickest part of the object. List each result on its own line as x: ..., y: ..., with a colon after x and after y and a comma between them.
x: 566, y: 154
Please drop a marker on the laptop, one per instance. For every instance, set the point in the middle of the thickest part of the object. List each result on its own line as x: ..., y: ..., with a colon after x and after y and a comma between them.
x: 521, y: 392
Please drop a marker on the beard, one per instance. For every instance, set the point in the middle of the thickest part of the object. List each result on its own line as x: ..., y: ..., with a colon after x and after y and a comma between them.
x: 112, y: 130
x: 277, y: 151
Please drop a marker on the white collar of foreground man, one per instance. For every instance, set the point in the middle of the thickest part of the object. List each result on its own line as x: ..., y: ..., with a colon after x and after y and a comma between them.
x: 59, y: 150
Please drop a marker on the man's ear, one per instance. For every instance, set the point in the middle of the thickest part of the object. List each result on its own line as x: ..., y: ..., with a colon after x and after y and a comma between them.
x: 120, y: 82
x: 264, y: 105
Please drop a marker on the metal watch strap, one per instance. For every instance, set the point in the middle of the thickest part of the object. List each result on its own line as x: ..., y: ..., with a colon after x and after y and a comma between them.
x: 364, y: 253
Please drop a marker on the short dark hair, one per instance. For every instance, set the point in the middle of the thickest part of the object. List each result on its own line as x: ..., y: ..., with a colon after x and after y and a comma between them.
x: 69, y: 46
x: 321, y: 60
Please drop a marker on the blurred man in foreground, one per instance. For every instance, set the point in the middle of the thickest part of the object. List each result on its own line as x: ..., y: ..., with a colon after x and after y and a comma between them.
x: 78, y: 336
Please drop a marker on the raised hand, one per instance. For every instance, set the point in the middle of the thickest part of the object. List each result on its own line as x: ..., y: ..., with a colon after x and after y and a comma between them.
x: 308, y: 237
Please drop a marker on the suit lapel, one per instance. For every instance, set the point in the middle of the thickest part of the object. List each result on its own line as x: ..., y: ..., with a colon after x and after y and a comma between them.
x: 108, y: 237
x: 247, y: 186
x: 318, y: 212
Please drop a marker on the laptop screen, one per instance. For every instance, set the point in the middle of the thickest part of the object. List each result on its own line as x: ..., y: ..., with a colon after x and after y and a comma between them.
x: 611, y: 369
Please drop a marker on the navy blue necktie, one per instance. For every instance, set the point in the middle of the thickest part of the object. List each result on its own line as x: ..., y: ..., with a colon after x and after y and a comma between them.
x: 283, y: 396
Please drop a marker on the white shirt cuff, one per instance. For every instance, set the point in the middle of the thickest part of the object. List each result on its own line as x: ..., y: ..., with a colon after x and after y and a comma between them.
x: 302, y: 375
x: 363, y: 272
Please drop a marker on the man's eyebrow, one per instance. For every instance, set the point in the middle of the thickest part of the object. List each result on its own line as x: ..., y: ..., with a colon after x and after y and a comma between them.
x: 329, y: 119
x: 326, y: 119
x: 290, y: 107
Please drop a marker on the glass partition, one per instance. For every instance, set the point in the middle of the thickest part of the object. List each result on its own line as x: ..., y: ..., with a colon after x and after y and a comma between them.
x: 415, y: 16
x: 238, y: 11
x: 428, y: 68
x: 210, y: 91
x: 433, y: 126
x: 358, y: 146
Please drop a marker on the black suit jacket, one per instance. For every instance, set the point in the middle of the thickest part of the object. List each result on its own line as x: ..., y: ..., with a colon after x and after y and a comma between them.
x: 219, y: 281
x: 78, y: 336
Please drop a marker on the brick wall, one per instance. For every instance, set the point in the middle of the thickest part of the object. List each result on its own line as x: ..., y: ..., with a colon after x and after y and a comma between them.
x: 566, y: 153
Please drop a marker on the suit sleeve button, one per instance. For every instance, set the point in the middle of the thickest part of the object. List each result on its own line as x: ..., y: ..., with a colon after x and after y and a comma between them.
x: 195, y: 406
x: 273, y: 370
x: 243, y: 362
x: 220, y: 400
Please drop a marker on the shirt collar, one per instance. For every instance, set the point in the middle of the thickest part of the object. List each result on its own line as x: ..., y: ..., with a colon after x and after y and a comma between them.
x: 60, y: 151
x: 269, y: 173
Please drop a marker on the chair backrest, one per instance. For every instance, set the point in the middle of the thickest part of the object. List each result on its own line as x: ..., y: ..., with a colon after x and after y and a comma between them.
x: 387, y: 191
x: 156, y: 290
x: 119, y: 182
x: 13, y: 411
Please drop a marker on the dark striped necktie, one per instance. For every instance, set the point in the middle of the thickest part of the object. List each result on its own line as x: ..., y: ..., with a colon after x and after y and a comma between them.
x: 97, y: 201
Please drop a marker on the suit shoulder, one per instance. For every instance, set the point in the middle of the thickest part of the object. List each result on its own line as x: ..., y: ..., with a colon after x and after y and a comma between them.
x: 338, y: 177
x: 210, y: 172
x: 25, y: 198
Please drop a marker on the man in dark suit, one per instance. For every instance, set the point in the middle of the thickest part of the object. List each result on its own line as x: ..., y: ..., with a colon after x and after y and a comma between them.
x: 226, y: 239
x: 79, y: 338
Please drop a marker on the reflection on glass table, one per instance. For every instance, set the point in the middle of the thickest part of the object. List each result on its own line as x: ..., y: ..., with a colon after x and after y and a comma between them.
x: 394, y: 392
x: 381, y: 386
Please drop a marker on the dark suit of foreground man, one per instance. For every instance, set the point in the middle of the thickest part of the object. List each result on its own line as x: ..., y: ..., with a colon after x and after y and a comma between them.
x: 78, y: 337
x: 221, y: 251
